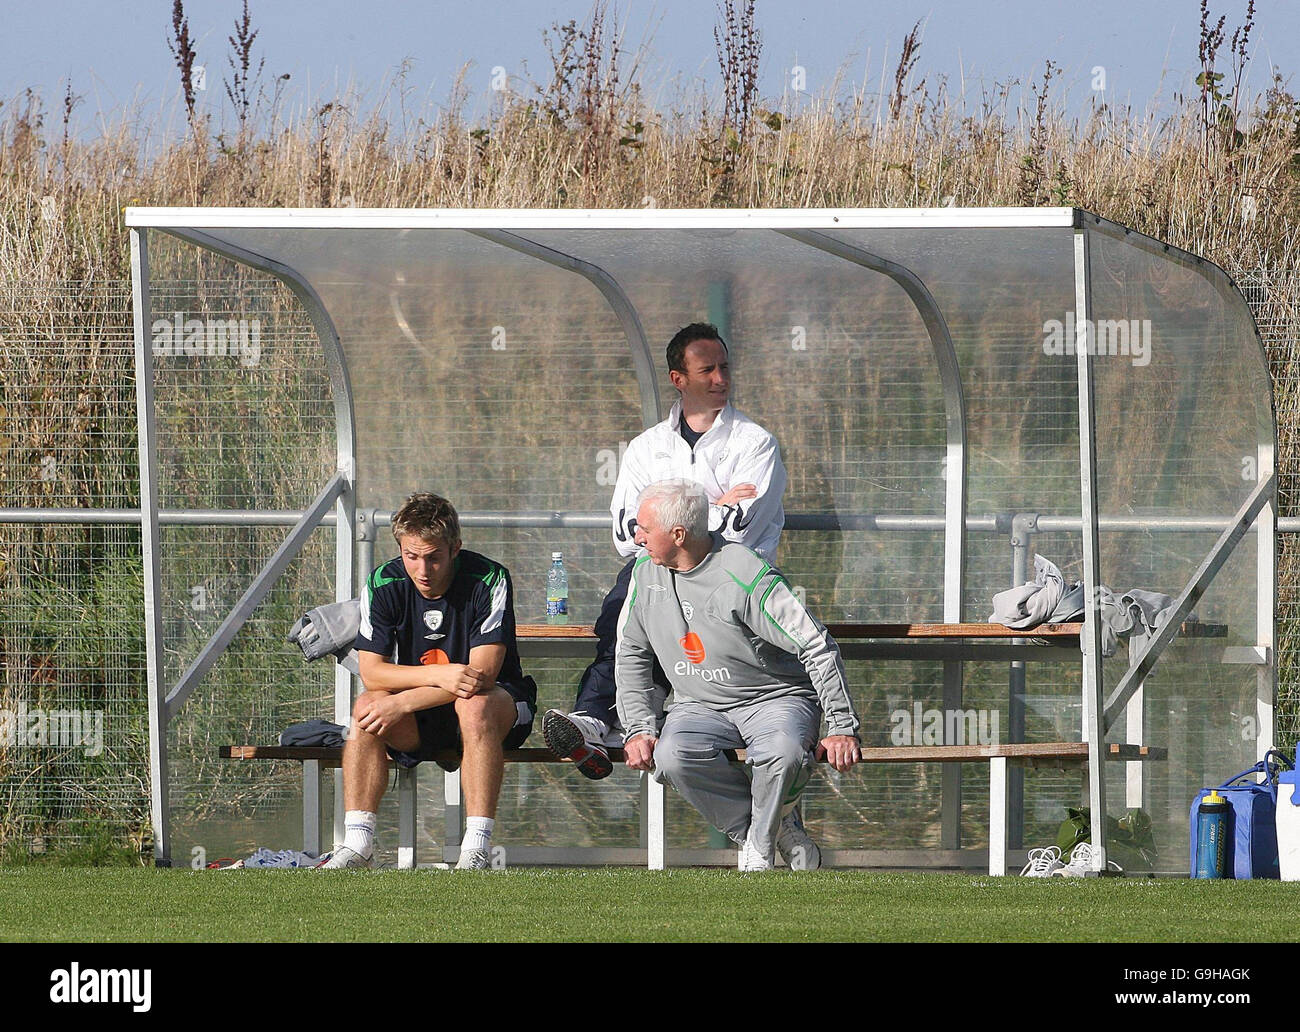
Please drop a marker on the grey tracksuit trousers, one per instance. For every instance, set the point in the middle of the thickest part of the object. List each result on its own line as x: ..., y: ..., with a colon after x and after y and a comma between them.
x: 778, y: 736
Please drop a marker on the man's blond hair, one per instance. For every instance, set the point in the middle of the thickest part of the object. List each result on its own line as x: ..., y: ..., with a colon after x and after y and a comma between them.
x: 429, y: 517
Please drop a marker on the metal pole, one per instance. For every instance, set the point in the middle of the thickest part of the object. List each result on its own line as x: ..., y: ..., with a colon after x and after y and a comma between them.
x: 719, y: 316
x: 159, y: 802
x: 1090, y: 639
x: 596, y: 520
x: 1022, y: 536
x: 1266, y: 607
x: 367, y: 534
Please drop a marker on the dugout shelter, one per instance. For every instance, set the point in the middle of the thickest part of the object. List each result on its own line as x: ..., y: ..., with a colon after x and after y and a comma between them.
x: 954, y: 391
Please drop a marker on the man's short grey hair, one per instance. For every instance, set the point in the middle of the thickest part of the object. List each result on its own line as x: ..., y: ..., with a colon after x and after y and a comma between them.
x: 679, y: 502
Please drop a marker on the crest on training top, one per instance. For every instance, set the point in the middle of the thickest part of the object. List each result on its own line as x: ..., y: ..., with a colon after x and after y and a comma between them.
x: 433, y: 619
x: 688, y: 610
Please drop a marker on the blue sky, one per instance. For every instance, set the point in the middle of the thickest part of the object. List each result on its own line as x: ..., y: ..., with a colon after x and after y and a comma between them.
x: 114, y: 52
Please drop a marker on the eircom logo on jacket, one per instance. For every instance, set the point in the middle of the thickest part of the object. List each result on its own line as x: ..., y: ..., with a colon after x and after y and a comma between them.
x: 694, y: 649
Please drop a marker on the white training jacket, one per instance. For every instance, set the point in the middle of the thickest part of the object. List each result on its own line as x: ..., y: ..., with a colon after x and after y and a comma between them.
x: 734, y: 450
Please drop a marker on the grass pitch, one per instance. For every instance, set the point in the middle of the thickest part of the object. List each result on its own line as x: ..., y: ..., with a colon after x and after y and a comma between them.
x: 116, y: 905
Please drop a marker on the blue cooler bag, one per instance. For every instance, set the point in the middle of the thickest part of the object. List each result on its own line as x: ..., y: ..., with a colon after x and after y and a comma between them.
x: 1252, y: 841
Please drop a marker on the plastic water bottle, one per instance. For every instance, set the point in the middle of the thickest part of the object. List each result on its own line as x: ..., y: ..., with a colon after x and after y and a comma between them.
x: 557, y: 591
x: 1212, y: 837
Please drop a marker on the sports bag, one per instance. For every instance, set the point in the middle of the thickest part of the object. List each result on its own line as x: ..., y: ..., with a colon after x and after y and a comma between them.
x: 1252, y: 840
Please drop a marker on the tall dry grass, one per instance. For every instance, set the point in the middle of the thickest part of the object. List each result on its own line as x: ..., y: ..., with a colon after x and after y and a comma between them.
x: 591, y: 138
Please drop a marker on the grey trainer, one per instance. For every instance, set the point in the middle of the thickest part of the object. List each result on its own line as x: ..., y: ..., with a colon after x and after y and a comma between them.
x: 798, y: 850
x: 344, y: 858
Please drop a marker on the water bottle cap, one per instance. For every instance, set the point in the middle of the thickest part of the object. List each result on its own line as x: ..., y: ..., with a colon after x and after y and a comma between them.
x: 557, y: 556
x: 1214, y: 798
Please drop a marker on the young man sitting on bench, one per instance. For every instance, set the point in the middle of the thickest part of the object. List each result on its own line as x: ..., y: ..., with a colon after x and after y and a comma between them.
x: 455, y: 686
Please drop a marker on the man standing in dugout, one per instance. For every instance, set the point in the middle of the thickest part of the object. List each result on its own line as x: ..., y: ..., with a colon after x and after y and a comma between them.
x: 442, y: 678
x: 736, y: 461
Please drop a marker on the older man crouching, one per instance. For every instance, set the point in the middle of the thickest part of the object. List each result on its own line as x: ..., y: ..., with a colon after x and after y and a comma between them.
x: 750, y: 668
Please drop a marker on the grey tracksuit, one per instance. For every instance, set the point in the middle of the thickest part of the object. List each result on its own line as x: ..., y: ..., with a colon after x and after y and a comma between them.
x: 749, y: 667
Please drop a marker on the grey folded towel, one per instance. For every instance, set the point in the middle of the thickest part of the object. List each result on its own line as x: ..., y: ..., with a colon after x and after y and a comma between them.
x: 1028, y: 605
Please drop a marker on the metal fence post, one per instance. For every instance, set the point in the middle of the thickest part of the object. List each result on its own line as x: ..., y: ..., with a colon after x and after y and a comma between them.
x: 150, y: 550
x: 1023, y: 527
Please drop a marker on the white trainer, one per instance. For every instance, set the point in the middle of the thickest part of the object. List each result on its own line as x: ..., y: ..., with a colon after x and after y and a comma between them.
x: 344, y: 858
x: 474, y: 860
x: 794, y: 845
x: 1081, y: 863
x: 750, y: 859
x: 580, y: 739
x: 1043, y: 863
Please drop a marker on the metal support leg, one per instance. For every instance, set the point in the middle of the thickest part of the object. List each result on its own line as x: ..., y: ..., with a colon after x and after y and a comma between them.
x: 998, y: 816
x: 150, y: 552
x: 1179, y: 745
x: 653, y: 830
x: 1134, y: 733
x: 1023, y: 527
x: 950, y: 773
x: 406, y: 784
x: 1266, y: 609
x: 311, y: 807
x: 453, y: 806
x: 340, y: 814
x: 366, y: 536
x: 1094, y: 728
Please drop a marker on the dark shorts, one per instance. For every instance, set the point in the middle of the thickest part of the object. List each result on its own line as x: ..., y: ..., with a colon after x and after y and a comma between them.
x: 440, y: 730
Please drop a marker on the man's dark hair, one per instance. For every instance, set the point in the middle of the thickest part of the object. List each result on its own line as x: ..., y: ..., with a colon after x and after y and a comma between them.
x: 428, y: 517
x: 687, y: 336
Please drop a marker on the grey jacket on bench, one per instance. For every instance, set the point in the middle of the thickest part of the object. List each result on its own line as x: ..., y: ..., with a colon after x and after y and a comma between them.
x: 330, y: 631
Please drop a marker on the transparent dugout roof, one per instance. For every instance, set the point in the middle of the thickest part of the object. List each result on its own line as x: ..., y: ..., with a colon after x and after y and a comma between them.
x: 431, y: 304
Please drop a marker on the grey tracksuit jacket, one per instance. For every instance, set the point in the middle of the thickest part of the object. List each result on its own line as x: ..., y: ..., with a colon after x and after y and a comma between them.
x: 728, y: 633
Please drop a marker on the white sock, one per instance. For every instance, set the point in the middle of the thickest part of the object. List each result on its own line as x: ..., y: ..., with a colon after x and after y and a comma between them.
x: 478, y: 833
x: 359, y: 831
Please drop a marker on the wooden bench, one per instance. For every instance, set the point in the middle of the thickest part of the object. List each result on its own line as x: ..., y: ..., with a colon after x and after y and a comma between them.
x: 988, y: 641
x: 1057, y: 755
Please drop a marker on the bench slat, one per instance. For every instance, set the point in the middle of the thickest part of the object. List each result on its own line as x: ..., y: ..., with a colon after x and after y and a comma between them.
x: 897, y: 631
x: 854, y: 630
x: 870, y: 754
